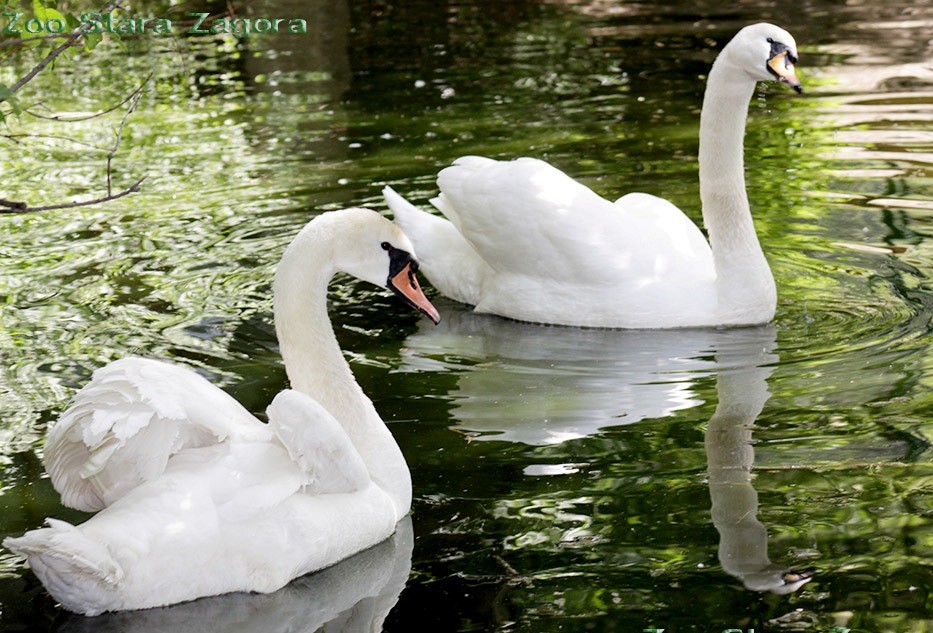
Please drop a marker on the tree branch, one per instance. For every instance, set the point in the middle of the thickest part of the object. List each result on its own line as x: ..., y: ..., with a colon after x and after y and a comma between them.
x: 77, y: 34
x: 9, y: 206
x: 134, y: 101
x: 16, y: 138
x: 12, y: 206
x: 58, y: 117
x: 19, y: 43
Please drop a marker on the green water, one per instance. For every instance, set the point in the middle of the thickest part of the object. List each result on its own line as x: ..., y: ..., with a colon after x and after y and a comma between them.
x: 564, y: 480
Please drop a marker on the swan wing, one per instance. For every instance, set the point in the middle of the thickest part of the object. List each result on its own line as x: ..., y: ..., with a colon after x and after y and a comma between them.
x: 128, y: 421
x: 447, y: 259
x: 317, y: 443
x: 525, y: 217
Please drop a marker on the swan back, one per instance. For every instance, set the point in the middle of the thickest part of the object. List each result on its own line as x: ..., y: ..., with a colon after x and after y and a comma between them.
x: 128, y: 421
x: 527, y: 219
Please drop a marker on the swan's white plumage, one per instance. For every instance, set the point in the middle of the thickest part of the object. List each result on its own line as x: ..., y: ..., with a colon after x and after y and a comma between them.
x: 543, y: 247
x: 196, y: 496
x: 322, y: 450
x: 129, y: 420
x: 522, y: 239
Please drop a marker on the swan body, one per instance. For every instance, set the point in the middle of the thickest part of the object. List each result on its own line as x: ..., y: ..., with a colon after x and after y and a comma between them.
x: 523, y: 240
x: 196, y: 497
x: 353, y: 596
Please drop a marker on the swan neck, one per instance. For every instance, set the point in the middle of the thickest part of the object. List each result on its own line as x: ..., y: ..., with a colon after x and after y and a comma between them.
x: 313, y: 360
x: 316, y: 366
x: 744, y: 280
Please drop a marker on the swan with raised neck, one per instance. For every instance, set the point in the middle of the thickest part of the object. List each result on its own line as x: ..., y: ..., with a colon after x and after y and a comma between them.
x: 745, y: 285
x: 523, y: 240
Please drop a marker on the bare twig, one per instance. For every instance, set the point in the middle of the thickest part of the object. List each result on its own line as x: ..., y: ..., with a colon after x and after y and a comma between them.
x: 8, y: 206
x: 77, y: 34
x: 134, y: 101
x: 18, y: 43
x: 58, y: 117
x: 55, y: 137
x: 12, y: 206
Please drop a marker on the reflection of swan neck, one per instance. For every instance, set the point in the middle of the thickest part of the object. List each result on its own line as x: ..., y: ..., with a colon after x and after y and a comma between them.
x: 743, y: 540
x: 729, y: 452
x: 742, y: 272
x: 315, y: 364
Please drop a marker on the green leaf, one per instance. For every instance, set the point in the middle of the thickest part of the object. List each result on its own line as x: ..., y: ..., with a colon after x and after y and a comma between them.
x: 91, y: 40
x: 7, y: 95
x: 45, y: 14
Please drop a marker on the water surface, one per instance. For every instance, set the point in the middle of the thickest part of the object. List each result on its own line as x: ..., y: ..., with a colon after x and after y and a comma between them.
x: 564, y: 479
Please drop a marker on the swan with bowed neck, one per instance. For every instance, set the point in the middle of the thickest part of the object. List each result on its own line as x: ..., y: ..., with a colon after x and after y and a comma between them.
x: 196, y: 496
x: 523, y: 240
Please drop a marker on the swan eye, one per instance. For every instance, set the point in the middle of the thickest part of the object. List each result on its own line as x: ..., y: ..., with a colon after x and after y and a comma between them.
x: 386, y: 246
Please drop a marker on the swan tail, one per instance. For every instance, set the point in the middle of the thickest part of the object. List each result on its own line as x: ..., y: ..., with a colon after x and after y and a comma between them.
x: 79, y: 573
x: 447, y: 259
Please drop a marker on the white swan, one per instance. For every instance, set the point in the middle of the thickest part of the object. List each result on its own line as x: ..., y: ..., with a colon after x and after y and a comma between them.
x: 199, y: 498
x: 524, y: 240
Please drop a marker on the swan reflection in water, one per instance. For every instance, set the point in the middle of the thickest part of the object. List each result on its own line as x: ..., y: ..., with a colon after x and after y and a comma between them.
x: 743, y: 540
x: 540, y: 385
x: 353, y: 596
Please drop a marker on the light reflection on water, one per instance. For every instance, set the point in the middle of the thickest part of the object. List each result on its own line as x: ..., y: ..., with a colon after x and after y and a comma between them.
x: 564, y: 479
x: 540, y: 385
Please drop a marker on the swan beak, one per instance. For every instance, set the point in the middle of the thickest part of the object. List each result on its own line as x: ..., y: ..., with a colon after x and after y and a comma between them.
x: 406, y: 286
x: 782, y: 67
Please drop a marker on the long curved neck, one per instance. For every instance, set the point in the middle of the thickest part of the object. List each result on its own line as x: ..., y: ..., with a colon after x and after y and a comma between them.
x: 315, y: 364
x: 743, y: 277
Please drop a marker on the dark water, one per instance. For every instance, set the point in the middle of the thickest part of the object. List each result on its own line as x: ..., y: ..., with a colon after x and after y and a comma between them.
x: 564, y: 479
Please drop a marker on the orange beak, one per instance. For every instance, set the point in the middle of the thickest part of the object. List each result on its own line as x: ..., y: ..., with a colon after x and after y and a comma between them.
x: 405, y: 285
x: 784, y: 69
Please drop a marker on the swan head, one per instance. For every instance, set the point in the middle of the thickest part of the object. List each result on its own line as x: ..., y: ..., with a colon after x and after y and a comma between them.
x: 766, y: 52
x: 370, y: 247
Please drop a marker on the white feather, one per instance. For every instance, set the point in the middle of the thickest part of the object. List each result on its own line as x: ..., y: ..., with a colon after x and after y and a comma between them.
x: 128, y: 421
